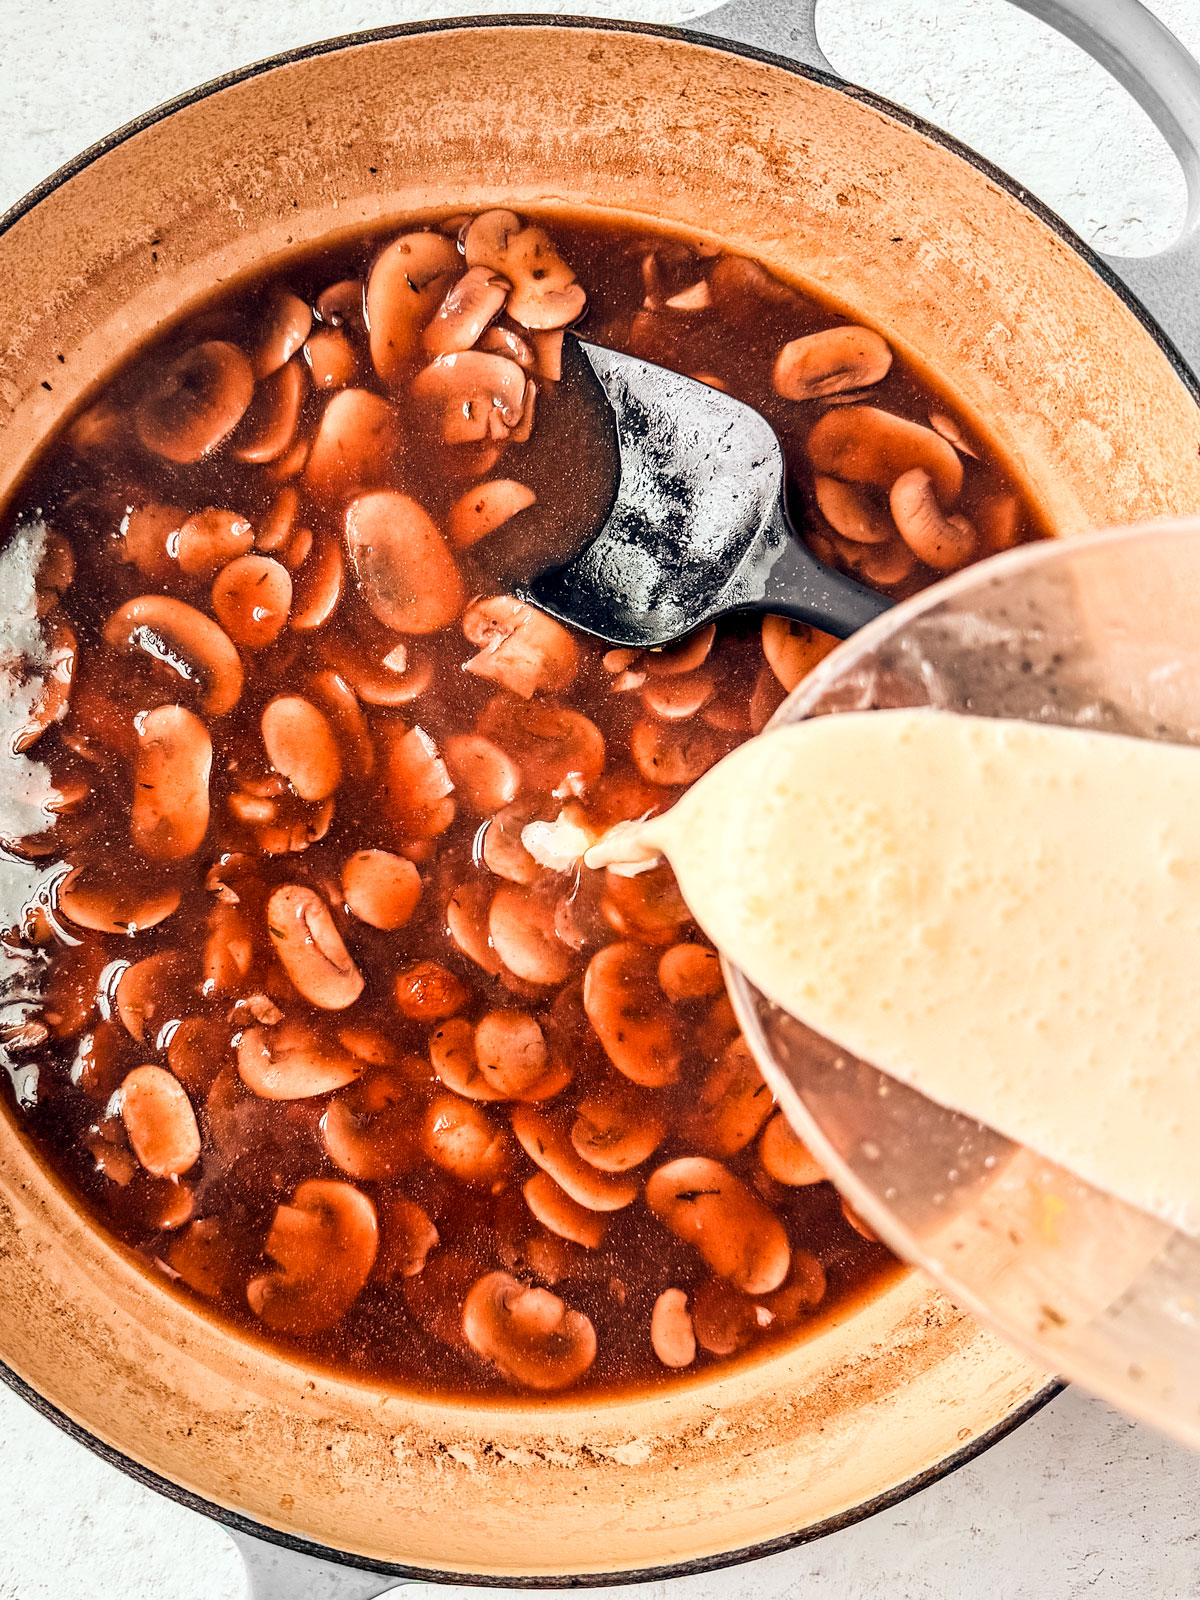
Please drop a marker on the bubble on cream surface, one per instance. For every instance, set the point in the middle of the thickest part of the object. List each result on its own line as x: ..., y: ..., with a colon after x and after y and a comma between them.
x: 1004, y: 915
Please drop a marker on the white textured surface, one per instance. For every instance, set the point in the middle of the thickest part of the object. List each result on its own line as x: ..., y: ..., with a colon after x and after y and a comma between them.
x: 1078, y: 1502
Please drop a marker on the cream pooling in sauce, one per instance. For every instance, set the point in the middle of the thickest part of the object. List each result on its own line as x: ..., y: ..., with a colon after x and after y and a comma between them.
x: 1004, y: 915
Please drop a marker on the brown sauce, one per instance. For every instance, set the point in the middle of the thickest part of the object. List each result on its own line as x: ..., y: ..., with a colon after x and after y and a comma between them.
x: 314, y: 1153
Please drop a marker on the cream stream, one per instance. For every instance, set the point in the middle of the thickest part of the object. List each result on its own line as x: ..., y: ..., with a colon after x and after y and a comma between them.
x: 1004, y: 915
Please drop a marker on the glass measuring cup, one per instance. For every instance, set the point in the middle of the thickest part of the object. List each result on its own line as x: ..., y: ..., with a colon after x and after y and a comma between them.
x: 1100, y: 632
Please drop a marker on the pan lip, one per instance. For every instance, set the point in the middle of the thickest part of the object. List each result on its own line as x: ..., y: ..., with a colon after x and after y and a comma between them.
x: 237, y: 1522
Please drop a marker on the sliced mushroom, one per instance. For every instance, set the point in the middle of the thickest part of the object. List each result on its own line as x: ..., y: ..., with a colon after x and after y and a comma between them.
x: 343, y: 304
x: 511, y: 1051
x: 671, y: 1330
x: 785, y: 1157
x: 305, y: 938
x: 544, y: 292
x: 732, y: 1105
x: 111, y: 904
x: 690, y: 972
x: 460, y: 1137
x: 848, y: 511
x: 696, y: 297
x: 418, y: 785
x: 724, y: 1319
x: 508, y: 342
x: 275, y: 527
x: 196, y: 402
x: 865, y: 445
x: 331, y: 359
x: 407, y: 1237
x: 548, y: 1147
x: 485, y: 508
x: 409, y: 578
x: 346, y: 715
x: 520, y: 648
x: 406, y: 284
x: 208, y: 539
x: 951, y: 430
x: 368, y: 1129
x: 676, y: 698
x: 708, y: 1207
x: 831, y: 362
x: 674, y: 754
x: 228, y: 949
x: 269, y: 426
x: 160, y: 1122
x: 196, y: 1051
x: 429, y: 992
x: 319, y: 586
x: 297, y: 550
x: 381, y: 889
x: 793, y: 649
x: 476, y: 394
x: 529, y: 1335
x: 302, y: 746
x: 325, y: 1244
x: 941, y: 542
x: 484, y: 776
x: 616, y: 1129
x: 147, y: 991
x: 454, y: 1059
x: 144, y: 533
x: 202, y: 1257
x: 252, y: 597
x: 631, y: 1020
x: 523, y: 431
x: 193, y: 645
x: 502, y: 847
x: 554, y: 1209
x: 357, y: 439
x: 685, y: 655
x: 401, y: 676
x: 801, y: 1292
x: 286, y: 328
x: 469, y: 306
x: 292, y: 1062
x: 885, y: 567
x: 467, y: 924
x: 646, y: 909
x: 523, y: 934
x: 558, y: 751
x: 999, y: 518
x: 169, y: 815
x: 740, y: 286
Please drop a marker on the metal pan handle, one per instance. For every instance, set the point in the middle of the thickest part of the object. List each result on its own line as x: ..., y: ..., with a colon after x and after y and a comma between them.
x: 276, y: 1573
x: 1142, y: 54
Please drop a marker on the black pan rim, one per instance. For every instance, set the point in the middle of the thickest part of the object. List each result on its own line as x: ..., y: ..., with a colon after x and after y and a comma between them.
x: 235, y: 1521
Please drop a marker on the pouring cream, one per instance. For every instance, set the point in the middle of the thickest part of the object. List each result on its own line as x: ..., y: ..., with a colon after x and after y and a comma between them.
x: 1004, y: 915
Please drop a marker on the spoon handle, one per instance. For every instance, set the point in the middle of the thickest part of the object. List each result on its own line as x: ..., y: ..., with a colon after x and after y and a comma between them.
x: 801, y: 587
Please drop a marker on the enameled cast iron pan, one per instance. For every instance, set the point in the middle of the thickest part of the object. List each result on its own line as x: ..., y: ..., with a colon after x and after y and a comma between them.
x: 1051, y: 357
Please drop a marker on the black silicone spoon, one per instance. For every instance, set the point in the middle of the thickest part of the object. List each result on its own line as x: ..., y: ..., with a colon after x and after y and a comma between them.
x: 691, y: 522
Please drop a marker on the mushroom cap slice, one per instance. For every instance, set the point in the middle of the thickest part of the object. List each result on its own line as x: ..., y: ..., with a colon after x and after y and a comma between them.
x: 529, y: 1334
x: 408, y: 577
x: 325, y: 1243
